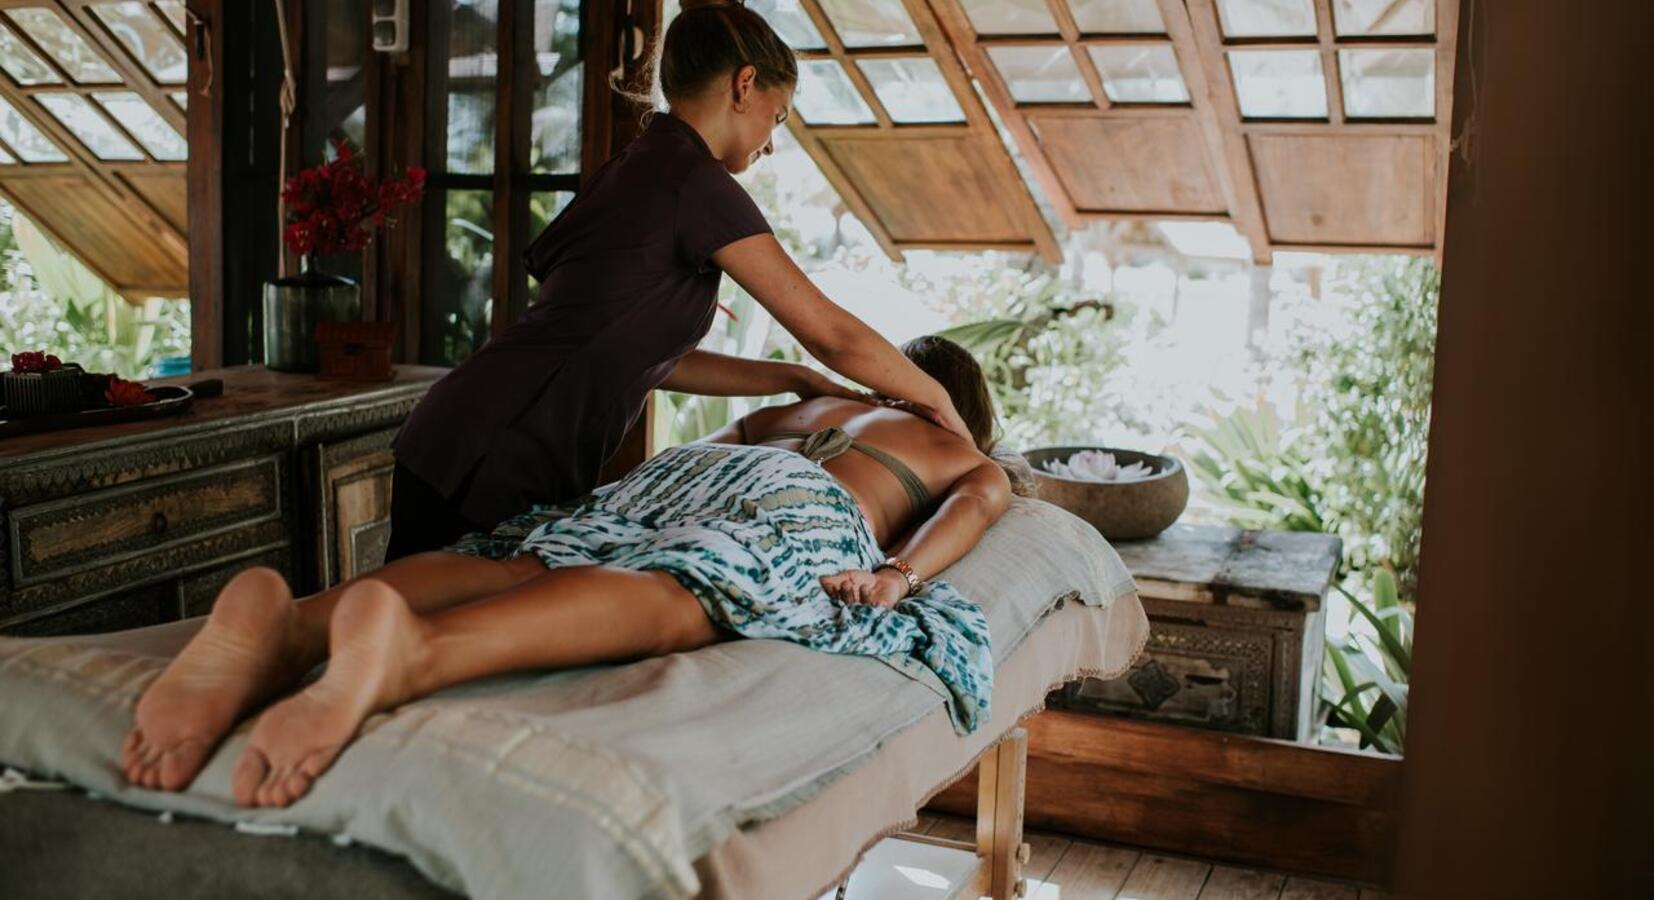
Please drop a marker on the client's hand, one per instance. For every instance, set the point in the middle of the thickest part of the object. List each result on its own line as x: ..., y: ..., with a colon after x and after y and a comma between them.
x: 808, y: 383
x: 882, y: 588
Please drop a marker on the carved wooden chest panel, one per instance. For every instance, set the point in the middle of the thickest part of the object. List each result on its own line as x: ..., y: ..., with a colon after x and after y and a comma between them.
x: 141, y: 523
x: 1236, y: 631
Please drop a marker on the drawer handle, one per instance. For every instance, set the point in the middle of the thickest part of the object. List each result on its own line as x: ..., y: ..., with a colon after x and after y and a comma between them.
x: 158, y: 522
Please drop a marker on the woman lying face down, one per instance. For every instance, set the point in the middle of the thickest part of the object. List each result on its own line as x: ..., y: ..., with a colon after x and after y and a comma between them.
x: 819, y: 522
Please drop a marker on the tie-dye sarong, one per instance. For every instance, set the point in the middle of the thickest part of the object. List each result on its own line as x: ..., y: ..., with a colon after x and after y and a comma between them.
x: 750, y: 531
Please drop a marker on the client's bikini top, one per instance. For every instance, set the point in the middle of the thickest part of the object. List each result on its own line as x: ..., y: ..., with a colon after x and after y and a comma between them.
x: 821, y: 446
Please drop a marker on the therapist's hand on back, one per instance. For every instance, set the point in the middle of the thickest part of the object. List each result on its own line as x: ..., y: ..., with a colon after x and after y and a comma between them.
x: 809, y: 384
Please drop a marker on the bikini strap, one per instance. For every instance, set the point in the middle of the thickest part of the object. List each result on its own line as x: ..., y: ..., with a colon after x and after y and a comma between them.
x: 917, y: 494
x: 821, y: 446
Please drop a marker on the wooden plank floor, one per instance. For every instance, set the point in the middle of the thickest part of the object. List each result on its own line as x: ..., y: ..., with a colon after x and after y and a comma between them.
x: 1060, y: 868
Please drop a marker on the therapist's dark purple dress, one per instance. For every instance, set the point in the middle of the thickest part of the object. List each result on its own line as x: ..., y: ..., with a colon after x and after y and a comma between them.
x: 626, y: 289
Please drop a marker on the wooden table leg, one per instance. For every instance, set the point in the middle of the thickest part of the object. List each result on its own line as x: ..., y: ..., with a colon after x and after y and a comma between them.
x: 1000, y: 780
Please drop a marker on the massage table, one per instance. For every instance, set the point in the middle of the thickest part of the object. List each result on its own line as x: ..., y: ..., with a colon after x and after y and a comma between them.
x: 620, y: 781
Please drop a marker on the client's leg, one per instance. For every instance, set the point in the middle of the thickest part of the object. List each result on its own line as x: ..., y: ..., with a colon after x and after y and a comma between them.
x: 257, y: 643
x: 383, y: 654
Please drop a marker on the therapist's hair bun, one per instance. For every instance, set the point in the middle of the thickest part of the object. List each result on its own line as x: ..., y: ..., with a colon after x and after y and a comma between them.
x: 710, y: 39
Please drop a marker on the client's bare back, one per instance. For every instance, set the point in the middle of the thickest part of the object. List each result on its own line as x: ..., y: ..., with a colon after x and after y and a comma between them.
x: 936, y: 456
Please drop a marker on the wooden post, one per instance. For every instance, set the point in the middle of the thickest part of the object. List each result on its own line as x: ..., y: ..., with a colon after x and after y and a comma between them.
x: 1001, y: 777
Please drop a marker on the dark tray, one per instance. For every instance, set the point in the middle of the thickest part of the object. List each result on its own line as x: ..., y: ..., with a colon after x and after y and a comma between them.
x: 169, y: 400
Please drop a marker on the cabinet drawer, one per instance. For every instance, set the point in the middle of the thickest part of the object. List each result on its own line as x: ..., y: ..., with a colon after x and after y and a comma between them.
x: 63, y: 537
x: 198, y: 592
x: 1202, y: 676
x: 134, y: 609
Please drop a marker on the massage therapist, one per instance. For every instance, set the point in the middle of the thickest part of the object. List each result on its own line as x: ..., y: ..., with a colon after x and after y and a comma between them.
x: 629, y: 276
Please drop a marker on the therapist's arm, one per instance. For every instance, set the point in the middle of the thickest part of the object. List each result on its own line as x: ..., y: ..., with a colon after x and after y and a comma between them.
x: 718, y: 375
x: 840, y: 340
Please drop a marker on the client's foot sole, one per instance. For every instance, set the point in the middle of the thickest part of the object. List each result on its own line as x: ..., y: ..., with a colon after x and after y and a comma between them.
x: 373, y: 640
x: 237, y: 659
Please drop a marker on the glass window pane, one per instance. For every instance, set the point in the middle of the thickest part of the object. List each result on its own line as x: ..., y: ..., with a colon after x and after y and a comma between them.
x: 93, y: 130
x: 23, y: 64
x: 182, y: 99
x: 825, y: 95
x: 1279, y: 83
x: 21, y: 135
x: 543, y: 206
x: 75, y: 56
x: 912, y: 90
x: 338, y: 111
x: 459, y: 299
x: 789, y: 20
x: 138, y: 117
x: 148, y: 39
x: 1040, y: 74
x: 1266, y: 18
x: 1389, y: 83
x: 1140, y: 74
x: 174, y: 11
x: 555, y: 143
x: 1117, y: 16
x: 1010, y: 16
x: 473, y: 63
x: 1357, y: 17
x: 872, y: 23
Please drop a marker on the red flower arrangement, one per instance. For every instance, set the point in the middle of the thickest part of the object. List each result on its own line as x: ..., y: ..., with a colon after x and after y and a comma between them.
x: 126, y: 393
x: 34, y: 361
x: 335, y: 207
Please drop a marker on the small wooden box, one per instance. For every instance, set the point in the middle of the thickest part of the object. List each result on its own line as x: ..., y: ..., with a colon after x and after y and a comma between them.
x: 360, y: 351
x: 1236, y: 631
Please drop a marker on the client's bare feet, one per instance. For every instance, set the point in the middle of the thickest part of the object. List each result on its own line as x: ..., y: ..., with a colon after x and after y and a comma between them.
x: 242, y: 656
x: 374, y: 645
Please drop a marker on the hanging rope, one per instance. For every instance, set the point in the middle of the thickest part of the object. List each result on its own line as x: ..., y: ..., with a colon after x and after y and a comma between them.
x: 289, y: 101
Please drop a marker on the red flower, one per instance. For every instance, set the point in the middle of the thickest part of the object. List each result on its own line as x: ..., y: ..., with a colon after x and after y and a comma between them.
x: 335, y: 206
x: 34, y: 361
x: 126, y: 393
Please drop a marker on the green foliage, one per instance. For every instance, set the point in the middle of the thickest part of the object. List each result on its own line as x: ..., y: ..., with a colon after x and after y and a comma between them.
x: 1373, y: 394
x: 1257, y: 472
x: 1354, y: 469
x: 1367, y: 675
x: 50, y: 301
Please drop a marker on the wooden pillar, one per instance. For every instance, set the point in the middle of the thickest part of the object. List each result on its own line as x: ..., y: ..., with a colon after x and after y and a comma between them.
x: 622, y: 118
x: 1528, y: 771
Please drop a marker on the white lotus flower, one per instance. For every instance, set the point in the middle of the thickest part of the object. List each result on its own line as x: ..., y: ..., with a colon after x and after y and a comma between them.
x: 1096, y: 465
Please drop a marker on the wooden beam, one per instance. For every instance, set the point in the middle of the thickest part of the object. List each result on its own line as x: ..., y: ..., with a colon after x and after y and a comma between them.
x: 508, y: 88
x: 1256, y: 801
x: 961, y: 35
x: 836, y: 50
x: 1329, y: 61
x: 1350, y: 127
x: 1197, y: 38
x: 204, y: 131
x: 847, y: 190
x: 136, y: 77
x: 1447, y: 38
x: 137, y: 208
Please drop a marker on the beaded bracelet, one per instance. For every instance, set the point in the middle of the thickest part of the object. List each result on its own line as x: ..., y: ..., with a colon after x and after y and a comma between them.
x: 901, y: 566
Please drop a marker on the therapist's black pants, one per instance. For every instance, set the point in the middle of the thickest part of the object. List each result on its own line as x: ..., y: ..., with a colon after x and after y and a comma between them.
x: 421, y: 518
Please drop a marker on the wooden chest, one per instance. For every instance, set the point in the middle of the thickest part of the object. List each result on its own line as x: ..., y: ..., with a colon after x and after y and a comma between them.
x: 141, y: 523
x: 1236, y: 631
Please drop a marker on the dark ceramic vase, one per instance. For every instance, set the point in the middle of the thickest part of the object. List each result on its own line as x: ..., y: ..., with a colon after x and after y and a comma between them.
x: 292, y: 308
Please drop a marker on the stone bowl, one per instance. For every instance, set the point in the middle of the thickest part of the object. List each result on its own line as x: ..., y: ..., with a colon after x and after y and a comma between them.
x: 1121, y: 511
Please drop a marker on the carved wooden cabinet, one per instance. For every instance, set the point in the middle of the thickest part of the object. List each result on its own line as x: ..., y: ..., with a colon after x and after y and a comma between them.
x: 1236, y: 631
x: 135, y: 524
